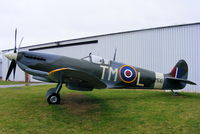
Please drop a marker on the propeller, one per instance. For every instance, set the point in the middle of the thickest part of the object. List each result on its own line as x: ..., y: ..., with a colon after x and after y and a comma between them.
x: 20, y: 44
x: 13, y: 58
x: 15, y: 49
x: 11, y: 67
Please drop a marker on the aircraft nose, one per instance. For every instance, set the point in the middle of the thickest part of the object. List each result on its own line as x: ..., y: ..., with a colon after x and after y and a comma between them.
x: 11, y: 56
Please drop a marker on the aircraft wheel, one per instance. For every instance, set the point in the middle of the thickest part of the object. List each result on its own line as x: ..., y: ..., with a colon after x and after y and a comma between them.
x: 176, y: 94
x: 53, y: 99
x: 50, y: 91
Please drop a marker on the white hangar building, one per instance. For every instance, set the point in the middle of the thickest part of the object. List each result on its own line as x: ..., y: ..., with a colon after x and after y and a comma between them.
x: 157, y: 49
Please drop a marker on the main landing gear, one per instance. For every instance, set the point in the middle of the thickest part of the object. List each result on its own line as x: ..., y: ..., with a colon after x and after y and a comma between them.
x: 53, y: 96
x: 174, y: 93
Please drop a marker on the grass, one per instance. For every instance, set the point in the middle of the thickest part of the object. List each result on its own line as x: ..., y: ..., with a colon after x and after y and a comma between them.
x: 24, y: 110
x: 11, y: 82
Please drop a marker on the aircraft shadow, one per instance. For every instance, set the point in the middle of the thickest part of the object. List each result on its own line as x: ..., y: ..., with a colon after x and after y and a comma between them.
x: 77, y: 103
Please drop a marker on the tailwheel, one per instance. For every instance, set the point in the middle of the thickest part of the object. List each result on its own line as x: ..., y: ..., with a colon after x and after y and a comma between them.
x: 174, y: 93
x: 53, y: 98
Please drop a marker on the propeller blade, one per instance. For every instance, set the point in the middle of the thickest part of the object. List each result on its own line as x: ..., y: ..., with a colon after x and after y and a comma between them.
x: 14, y: 69
x: 20, y: 44
x: 15, y: 49
x: 12, y: 65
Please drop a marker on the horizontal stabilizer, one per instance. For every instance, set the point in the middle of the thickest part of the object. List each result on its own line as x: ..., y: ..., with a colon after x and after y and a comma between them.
x: 181, y: 80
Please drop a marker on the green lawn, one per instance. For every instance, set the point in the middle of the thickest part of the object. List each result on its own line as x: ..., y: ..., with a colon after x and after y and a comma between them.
x: 11, y: 82
x: 24, y: 110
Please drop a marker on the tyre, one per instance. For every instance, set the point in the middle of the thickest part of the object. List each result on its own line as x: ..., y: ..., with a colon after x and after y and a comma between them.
x: 53, y: 99
x: 50, y: 92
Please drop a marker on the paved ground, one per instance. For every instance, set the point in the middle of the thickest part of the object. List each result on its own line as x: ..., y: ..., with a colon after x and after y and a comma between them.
x: 21, y: 85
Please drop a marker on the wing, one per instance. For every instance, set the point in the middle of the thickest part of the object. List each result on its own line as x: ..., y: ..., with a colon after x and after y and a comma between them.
x: 72, y: 75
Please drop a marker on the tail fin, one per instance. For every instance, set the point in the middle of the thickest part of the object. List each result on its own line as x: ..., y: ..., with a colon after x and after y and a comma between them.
x: 177, y: 78
x: 180, y: 70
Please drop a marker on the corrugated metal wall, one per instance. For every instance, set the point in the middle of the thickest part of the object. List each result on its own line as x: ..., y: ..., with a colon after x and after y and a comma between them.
x: 0, y: 68
x: 154, y: 49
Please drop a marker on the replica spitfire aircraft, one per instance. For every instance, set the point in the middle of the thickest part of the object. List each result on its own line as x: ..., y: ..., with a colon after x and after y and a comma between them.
x: 93, y: 72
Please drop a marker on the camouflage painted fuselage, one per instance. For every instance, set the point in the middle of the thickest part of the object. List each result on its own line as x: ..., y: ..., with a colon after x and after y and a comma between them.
x: 110, y: 75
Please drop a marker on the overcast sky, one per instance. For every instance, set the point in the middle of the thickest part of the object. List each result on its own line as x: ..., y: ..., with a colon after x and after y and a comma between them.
x: 42, y: 21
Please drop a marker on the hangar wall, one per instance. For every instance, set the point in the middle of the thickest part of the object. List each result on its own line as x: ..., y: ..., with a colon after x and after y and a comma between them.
x: 0, y: 68
x: 156, y: 49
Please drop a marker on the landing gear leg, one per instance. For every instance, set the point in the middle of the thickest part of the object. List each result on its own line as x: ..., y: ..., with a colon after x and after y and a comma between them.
x: 174, y: 93
x: 53, y: 96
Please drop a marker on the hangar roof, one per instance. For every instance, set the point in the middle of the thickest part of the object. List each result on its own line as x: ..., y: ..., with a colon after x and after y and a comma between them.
x: 45, y: 45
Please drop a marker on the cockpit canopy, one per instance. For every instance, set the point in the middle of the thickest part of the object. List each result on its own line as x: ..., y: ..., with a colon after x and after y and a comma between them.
x: 95, y: 59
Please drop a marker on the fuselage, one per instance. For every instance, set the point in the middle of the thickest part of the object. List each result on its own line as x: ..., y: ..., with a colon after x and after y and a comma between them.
x: 113, y: 74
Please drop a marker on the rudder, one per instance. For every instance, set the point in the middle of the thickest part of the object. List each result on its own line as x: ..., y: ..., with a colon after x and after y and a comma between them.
x: 180, y: 70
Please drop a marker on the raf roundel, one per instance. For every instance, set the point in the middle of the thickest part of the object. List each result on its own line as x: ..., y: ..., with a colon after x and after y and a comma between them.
x: 128, y: 74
